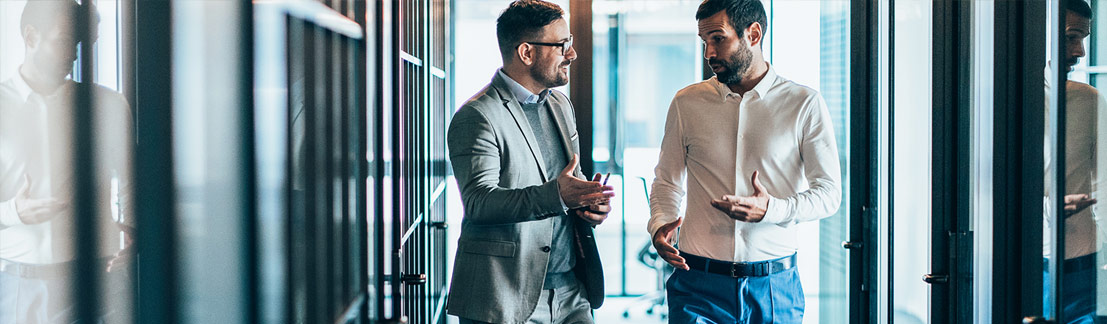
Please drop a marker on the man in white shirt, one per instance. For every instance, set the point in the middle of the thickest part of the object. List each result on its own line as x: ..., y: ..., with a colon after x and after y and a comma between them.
x: 1082, y: 149
x: 36, y: 175
x: 759, y: 156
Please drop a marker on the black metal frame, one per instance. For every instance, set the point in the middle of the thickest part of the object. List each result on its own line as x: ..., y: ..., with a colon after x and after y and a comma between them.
x: 951, y: 238
x: 864, y: 166
x: 327, y: 226
x: 1057, y: 133
x: 1018, y: 164
x: 157, y: 296
x: 418, y: 113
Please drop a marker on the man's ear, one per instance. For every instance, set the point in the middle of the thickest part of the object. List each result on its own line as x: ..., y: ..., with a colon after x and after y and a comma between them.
x: 31, y: 37
x: 523, y: 51
x: 755, y: 34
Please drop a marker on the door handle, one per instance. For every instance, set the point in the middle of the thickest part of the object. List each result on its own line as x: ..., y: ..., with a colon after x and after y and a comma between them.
x: 414, y: 279
x: 852, y: 245
x: 935, y: 279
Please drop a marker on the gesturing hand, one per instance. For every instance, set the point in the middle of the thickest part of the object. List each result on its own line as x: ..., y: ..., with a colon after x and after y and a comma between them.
x: 577, y: 193
x: 665, y: 249
x: 595, y: 214
x: 747, y: 209
x: 34, y: 211
x: 1075, y: 203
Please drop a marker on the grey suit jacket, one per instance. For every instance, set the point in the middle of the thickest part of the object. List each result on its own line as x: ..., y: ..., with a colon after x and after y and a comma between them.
x: 500, y: 263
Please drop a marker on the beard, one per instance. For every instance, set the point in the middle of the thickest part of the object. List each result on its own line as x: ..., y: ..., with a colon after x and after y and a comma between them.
x: 735, y: 66
x: 550, y: 78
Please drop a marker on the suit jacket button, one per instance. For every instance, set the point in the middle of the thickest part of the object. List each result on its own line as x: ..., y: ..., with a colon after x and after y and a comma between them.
x: 545, y: 249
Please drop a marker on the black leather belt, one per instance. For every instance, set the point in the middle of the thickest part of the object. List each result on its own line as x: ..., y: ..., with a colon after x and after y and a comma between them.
x: 739, y: 269
x: 1080, y: 263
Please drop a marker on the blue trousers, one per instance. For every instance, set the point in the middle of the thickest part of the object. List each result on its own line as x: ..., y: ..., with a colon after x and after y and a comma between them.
x: 1078, y: 294
x: 697, y: 297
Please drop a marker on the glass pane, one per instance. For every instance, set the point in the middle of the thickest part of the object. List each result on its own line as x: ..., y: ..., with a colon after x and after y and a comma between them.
x: 1084, y: 140
x: 631, y: 95
x: 810, y: 45
x: 982, y: 159
x: 911, y: 176
x: 209, y: 203
x: 39, y: 112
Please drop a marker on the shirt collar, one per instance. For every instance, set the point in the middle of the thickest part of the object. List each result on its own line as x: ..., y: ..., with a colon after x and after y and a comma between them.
x: 21, y: 88
x: 761, y: 88
x: 522, y: 95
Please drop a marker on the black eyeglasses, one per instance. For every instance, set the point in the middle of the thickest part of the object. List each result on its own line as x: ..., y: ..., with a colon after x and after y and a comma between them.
x: 565, y: 46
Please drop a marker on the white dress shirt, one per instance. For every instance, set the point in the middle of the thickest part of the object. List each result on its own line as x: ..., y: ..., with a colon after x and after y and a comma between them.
x: 36, y: 138
x: 715, y: 139
x: 1082, y: 149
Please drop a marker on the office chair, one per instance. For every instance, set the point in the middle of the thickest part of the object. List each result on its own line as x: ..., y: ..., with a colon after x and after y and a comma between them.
x: 648, y: 256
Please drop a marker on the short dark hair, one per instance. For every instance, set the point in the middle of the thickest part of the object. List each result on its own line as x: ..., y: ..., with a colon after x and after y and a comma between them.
x: 522, y: 21
x: 742, y: 13
x: 45, y: 15
x: 1080, y: 7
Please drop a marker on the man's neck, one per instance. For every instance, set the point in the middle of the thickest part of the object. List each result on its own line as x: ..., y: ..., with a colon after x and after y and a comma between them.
x: 37, y: 85
x: 523, y: 78
x: 756, y: 72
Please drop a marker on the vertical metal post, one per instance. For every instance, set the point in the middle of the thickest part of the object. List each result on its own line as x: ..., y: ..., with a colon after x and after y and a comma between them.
x: 864, y: 189
x: 580, y: 80
x: 86, y: 279
x: 247, y: 165
x: 154, y: 185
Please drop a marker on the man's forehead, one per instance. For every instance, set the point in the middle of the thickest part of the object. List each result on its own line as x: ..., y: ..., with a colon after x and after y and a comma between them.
x: 1074, y: 20
x: 719, y: 22
x: 557, y: 29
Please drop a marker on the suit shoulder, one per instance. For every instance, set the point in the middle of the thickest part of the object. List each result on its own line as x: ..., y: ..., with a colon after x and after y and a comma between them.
x: 483, y: 99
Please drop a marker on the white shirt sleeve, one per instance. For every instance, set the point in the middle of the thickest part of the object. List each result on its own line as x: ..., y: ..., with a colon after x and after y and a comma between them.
x: 819, y: 153
x: 668, y: 184
x: 8, y: 215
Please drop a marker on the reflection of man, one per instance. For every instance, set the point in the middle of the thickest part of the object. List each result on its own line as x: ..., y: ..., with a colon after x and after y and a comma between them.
x: 1082, y: 103
x: 759, y: 155
x: 36, y: 176
x: 526, y: 252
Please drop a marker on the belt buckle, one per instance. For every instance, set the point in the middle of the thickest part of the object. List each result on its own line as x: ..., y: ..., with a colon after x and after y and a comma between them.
x: 733, y: 270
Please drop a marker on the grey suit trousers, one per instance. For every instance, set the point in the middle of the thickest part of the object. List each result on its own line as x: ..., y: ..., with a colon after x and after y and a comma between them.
x: 566, y: 305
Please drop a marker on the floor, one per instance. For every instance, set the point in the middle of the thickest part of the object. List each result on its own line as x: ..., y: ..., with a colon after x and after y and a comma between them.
x: 613, y: 310
x: 615, y: 307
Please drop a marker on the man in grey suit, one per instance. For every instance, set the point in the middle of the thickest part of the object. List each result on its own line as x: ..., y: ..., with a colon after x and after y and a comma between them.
x: 526, y: 253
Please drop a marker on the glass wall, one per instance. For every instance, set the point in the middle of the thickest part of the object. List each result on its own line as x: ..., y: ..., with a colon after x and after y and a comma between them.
x: 66, y: 146
x: 1082, y: 124
x: 911, y: 158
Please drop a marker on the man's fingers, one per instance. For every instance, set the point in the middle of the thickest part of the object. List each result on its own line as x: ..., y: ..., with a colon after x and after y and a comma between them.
x: 675, y: 260
x: 663, y: 246
x: 721, y: 205
x: 597, y: 176
x: 600, y: 208
x: 25, y: 191
x: 591, y: 217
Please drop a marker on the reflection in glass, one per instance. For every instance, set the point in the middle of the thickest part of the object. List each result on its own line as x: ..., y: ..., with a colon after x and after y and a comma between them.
x: 38, y: 180
x: 1083, y: 141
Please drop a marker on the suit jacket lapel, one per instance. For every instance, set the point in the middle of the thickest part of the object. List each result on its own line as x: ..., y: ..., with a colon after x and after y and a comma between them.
x: 516, y: 111
x: 562, y: 129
